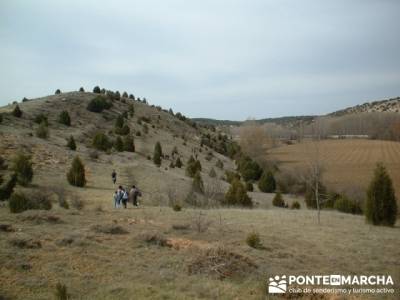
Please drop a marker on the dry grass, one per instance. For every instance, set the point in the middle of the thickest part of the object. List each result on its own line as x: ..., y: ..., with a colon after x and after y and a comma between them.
x: 116, y: 266
x: 347, y: 163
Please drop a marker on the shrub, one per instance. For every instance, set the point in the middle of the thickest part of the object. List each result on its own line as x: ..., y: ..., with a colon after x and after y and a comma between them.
x: 62, y: 202
x: 249, y: 186
x: 64, y: 118
x: 109, y: 229
x: 381, y: 206
x: 212, y: 173
x: 58, y: 92
x: 172, y: 165
x: 76, y: 174
x: 61, y: 292
x: 278, y: 200
x: 41, y: 118
x: 20, y: 202
x: 25, y: 99
x: 129, y: 144
x: 42, y: 131
x: 138, y: 133
x: 81, y: 89
x: 119, y: 144
x: 22, y: 166
x: 7, y: 189
x: 77, y: 203
x: 157, y: 154
x: 237, y: 195
x: 249, y: 169
x: 197, y: 184
x: 131, y: 97
x: 96, y: 90
x: 193, y: 166
x: 17, y: 112
x: 344, y: 204
x: 71, y: 143
x: 178, y: 163
x: 98, y: 104
x: 177, y: 207
x: 1, y: 118
x: 124, y: 130
x: 94, y: 154
x: 101, y: 142
x: 230, y: 176
x: 295, y: 205
x: 253, y: 240
x: 267, y: 182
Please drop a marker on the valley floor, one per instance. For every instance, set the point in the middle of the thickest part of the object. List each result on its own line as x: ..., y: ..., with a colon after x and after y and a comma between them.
x: 157, y: 253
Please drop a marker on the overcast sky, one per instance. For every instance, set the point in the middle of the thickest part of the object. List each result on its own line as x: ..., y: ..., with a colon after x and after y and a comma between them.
x: 225, y: 59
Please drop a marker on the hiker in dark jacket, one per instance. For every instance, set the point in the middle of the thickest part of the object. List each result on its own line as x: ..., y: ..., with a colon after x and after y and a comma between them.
x: 114, y: 176
x: 134, y: 193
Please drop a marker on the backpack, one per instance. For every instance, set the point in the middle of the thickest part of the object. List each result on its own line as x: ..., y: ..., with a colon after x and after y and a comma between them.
x: 125, y: 196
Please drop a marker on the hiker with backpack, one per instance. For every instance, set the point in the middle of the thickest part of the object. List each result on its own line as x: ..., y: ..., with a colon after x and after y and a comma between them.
x: 125, y: 197
x: 118, y: 196
x: 134, y: 193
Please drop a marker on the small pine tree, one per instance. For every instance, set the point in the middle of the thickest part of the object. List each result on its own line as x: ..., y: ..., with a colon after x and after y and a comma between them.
x: 178, y: 163
x: 71, y: 143
x: 131, y: 97
x: 58, y: 92
x: 17, y: 112
x: 212, y: 173
x: 119, y: 144
x: 7, y: 189
x: 381, y: 206
x: 157, y: 154
x: 42, y: 131
x: 278, y: 200
x: 81, y: 89
x: 117, y: 95
x: 22, y: 166
x: 96, y: 90
x: 237, y: 195
x: 125, y: 95
x: 131, y: 110
x: 129, y: 144
x: 197, y: 184
x: 267, y: 182
x: 119, y: 122
x: 76, y: 174
x: 101, y: 142
x: 64, y: 118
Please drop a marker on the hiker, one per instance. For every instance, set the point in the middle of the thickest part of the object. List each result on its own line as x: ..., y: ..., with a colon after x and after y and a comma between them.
x: 124, y: 197
x: 118, y: 197
x: 133, y: 194
x: 114, y: 176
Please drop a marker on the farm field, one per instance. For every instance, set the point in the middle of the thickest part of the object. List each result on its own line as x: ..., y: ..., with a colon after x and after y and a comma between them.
x: 347, y: 163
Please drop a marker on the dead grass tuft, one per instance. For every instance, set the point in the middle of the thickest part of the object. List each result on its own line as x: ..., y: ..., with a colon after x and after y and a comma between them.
x: 40, y: 217
x: 6, y: 228
x: 221, y: 263
x: 109, y: 229
x: 25, y: 243
x: 154, y: 239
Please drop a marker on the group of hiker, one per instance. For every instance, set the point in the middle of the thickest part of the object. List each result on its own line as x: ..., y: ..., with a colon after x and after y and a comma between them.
x: 122, y: 196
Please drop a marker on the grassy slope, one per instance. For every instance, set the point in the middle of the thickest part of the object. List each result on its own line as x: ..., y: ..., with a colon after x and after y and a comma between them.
x: 104, y: 266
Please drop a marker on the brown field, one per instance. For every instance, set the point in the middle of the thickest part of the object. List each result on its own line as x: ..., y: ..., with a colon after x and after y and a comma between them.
x: 347, y: 163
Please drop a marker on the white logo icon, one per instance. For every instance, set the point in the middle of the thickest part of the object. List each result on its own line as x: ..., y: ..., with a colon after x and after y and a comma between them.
x: 277, y: 285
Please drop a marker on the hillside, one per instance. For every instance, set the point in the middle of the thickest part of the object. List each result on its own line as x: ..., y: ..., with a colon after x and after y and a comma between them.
x: 51, y: 157
x: 387, y: 105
